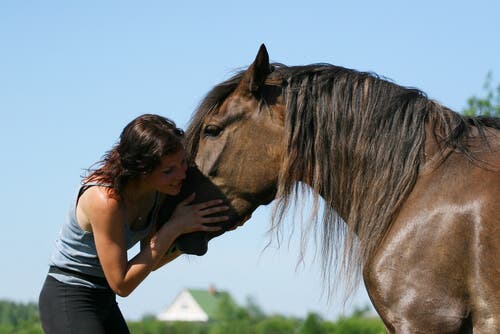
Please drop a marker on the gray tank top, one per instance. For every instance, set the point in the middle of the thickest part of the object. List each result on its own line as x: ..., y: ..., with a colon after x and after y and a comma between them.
x: 75, y: 248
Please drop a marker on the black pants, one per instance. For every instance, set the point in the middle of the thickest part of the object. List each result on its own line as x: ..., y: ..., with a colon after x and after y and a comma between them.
x: 73, y: 309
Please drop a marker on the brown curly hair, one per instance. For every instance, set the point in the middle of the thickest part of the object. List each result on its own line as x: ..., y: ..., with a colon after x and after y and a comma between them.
x: 142, y: 145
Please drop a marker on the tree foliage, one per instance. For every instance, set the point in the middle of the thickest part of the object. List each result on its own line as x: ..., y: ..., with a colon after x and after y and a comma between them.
x: 232, y: 319
x: 487, y: 105
x: 19, y: 318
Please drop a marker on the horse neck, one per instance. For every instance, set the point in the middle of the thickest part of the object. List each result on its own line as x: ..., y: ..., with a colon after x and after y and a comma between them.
x: 361, y: 155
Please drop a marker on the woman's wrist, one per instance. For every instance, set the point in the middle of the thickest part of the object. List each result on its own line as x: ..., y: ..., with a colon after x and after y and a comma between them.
x: 172, y: 228
x: 163, y: 239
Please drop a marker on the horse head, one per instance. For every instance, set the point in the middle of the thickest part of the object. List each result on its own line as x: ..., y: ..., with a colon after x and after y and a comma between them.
x: 236, y: 136
x: 235, y: 139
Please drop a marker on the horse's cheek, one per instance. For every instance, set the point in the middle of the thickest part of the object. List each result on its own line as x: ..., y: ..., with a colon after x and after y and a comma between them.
x: 209, y: 154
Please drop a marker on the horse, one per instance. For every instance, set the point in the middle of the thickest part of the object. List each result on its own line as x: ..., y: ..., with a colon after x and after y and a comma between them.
x: 410, y: 189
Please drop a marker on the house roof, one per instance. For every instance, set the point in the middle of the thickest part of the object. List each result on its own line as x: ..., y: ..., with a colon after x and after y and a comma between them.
x: 209, y: 300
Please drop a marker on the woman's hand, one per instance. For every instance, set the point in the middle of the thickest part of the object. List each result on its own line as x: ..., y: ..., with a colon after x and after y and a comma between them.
x: 186, y: 218
x: 193, y: 217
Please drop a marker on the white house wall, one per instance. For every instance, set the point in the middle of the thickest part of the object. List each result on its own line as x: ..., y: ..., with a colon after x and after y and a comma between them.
x: 183, y: 308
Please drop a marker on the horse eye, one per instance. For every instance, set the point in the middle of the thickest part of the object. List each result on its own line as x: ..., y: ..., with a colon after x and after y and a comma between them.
x: 212, y: 130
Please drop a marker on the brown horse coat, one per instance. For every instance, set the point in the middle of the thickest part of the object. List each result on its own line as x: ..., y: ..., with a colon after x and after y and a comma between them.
x: 411, y: 188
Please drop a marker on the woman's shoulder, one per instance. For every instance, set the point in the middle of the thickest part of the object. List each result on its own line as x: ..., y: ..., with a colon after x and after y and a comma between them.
x: 100, y: 202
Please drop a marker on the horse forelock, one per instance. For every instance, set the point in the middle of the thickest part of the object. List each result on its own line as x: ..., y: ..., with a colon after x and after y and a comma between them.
x: 213, y: 100
x: 208, y: 105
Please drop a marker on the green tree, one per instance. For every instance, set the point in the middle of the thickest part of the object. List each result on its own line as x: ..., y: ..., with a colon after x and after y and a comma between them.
x: 359, y: 325
x: 230, y: 318
x: 276, y: 324
x: 229, y: 310
x: 488, y: 105
x: 312, y: 325
x: 150, y: 325
x: 19, y: 318
x: 361, y: 311
x: 254, y: 311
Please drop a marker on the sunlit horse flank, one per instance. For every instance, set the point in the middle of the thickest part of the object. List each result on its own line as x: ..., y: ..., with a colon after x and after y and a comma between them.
x: 417, y: 184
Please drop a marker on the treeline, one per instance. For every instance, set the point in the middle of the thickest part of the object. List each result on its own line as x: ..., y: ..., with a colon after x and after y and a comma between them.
x: 24, y: 319
x: 19, y: 318
x: 233, y: 319
x: 277, y: 324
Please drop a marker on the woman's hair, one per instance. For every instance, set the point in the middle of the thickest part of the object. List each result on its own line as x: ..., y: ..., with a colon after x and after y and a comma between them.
x: 142, y: 145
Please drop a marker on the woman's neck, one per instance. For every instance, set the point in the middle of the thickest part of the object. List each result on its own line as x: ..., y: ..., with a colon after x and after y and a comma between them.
x: 136, y: 192
x: 138, y: 201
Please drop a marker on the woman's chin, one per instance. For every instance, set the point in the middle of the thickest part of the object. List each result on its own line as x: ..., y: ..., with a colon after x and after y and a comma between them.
x: 172, y: 191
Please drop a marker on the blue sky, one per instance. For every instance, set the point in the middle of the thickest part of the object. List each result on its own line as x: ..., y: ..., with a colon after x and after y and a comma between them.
x: 73, y: 73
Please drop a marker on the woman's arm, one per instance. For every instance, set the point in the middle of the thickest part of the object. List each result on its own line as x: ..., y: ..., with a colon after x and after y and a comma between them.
x: 167, y: 258
x: 107, y: 219
x: 169, y: 255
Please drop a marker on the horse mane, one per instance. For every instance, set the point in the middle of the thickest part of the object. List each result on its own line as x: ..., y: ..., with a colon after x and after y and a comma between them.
x: 358, y: 141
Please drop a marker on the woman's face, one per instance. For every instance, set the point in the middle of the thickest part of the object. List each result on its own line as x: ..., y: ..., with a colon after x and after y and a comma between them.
x: 167, y: 178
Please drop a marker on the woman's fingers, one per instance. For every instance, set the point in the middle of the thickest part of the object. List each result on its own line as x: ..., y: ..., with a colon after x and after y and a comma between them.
x: 208, y: 204
x: 211, y: 228
x: 214, y: 209
x: 195, y: 217
x: 212, y: 220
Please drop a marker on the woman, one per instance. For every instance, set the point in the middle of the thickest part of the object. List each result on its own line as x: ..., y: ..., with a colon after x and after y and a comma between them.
x: 115, y: 208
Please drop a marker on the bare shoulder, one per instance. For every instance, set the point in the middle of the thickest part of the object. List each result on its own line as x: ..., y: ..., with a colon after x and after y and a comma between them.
x: 98, y: 205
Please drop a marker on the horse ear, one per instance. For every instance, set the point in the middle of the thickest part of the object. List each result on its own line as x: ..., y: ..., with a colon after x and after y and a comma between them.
x: 257, y: 73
